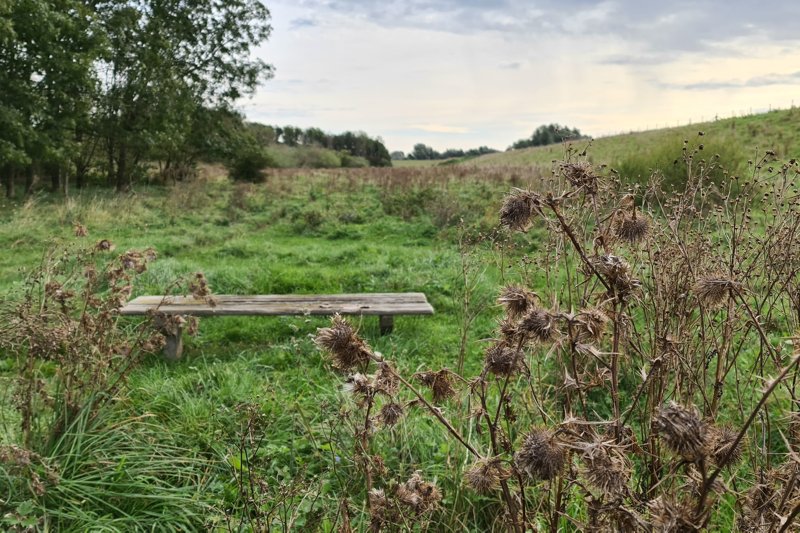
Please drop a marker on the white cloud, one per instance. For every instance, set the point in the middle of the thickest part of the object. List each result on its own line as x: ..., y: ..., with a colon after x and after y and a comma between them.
x: 464, y: 73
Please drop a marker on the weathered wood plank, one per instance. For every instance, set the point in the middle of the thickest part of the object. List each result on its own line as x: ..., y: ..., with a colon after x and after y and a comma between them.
x: 272, y: 305
x: 408, y: 297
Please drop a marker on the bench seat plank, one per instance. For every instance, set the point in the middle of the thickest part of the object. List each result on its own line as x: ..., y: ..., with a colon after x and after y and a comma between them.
x: 272, y: 305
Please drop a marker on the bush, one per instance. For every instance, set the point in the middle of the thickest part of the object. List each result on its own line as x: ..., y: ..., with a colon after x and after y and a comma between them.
x: 352, y: 161
x: 248, y: 163
x: 314, y: 157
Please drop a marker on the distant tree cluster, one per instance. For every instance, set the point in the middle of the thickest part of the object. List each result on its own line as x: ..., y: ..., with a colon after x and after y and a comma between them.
x: 102, y: 89
x: 422, y: 152
x: 547, y: 134
x: 357, y: 144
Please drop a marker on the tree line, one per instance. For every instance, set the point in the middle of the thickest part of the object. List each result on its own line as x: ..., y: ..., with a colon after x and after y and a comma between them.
x: 422, y: 151
x: 547, y: 134
x: 101, y: 89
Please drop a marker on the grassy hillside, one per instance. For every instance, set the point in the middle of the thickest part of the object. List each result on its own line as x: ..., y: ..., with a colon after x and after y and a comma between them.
x: 735, y: 139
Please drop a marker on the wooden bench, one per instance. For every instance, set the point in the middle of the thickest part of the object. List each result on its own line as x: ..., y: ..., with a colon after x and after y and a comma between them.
x: 384, y: 305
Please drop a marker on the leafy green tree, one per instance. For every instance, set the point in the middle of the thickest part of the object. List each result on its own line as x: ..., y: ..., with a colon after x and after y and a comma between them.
x: 423, y: 151
x: 164, y: 59
x: 548, y: 134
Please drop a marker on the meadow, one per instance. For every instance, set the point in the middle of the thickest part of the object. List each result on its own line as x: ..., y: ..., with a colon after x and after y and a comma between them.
x: 254, y: 430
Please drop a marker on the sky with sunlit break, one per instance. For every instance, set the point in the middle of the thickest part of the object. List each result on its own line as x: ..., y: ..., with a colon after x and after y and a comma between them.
x: 460, y: 74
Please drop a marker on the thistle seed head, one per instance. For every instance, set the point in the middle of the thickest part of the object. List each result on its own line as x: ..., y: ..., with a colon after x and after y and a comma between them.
x: 358, y: 385
x: 667, y: 515
x: 502, y: 360
x: 440, y: 383
x: 385, y: 379
x: 721, y: 441
x: 540, y: 456
x: 391, y: 413
x: 591, y: 324
x: 538, y: 324
x: 682, y: 431
x: 484, y: 476
x: 347, y: 350
x: 712, y: 291
x: 518, y: 209
x: 581, y: 175
x: 517, y: 300
x: 633, y: 228
x: 606, y: 468
x: 418, y: 494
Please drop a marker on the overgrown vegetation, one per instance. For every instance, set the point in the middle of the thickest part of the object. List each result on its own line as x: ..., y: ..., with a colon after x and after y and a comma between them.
x: 618, y: 300
x: 643, y: 375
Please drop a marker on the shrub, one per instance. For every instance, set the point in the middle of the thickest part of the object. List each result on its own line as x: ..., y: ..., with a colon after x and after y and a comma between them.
x: 248, y: 164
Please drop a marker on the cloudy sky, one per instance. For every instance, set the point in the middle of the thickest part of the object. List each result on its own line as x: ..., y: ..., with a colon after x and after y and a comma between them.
x: 466, y: 73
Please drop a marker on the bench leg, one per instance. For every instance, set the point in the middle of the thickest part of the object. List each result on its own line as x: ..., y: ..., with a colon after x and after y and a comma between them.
x: 173, y: 349
x: 386, y: 323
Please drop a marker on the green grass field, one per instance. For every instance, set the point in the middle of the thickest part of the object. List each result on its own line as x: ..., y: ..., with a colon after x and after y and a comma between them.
x: 301, y: 232
x: 311, y: 234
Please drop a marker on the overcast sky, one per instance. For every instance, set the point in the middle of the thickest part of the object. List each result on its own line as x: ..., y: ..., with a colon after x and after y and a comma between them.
x: 477, y: 72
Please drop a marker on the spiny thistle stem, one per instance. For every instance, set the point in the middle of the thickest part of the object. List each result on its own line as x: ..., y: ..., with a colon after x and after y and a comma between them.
x: 576, y: 244
x: 710, y: 480
x: 433, y: 410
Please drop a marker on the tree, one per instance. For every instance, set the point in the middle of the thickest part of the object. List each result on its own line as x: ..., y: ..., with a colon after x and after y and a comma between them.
x: 547, y: 134
x: 164, y: 59
x: 423, y: 151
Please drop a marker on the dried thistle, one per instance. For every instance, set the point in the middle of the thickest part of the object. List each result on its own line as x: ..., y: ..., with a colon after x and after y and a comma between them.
x: 385, y: 379
x: 606, y: 468
x: 346, y: 348
x: 682, y: 431
x: 378, y: 509
x: 391, y: 413
x: 484, y: 475
x: 517, y: 300
x: 80, y: 230
x: 581, y: 176
x: 518, y: 209
x: 633, y: 228
x: 712, y: 291
x: 418, y: 494
x: 440, y: 383
x: 508, y: 330
x: 721, y: 441
x: 591, y: 324
x: 104, y: 246
x: 540, y: 456
x: 359, y: 385
x: 538, y: 324
x: 670, y: 517
x: 502, y: 360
